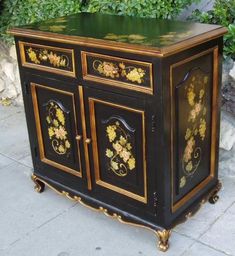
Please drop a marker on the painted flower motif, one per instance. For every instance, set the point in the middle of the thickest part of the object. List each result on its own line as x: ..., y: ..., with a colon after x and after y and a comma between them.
x: 125, y: 155
x: 117, y: 147
x: 60, y: 115
x: 189, y: 149
x: 33, y: 56
x: 131, y: 163
x: 189, y: 166
x: 60, y: 133
x: 111, y: 132
x: 56, y: 130
x: 136, y: 75
x: 182, y: 182
x: 191, y: 96
x: 109, y: 153
x: 202, y: 128
x: 120, y: 157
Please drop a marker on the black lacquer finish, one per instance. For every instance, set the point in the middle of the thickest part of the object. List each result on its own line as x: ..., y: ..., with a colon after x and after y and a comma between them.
x: 131, y: 133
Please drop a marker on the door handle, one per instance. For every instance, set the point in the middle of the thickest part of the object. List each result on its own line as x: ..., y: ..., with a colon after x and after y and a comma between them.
x: 78, y: 137
x: 88, y: 140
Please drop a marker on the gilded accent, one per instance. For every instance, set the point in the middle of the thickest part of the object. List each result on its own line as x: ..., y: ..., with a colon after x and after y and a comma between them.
x: 39, y: 130
x: 121, y: 159
x: 40, y: 55
x: 56, y: 129
x: 39, y: 185
x: 163, y: 235
x: 196, y: 189
x: 96, y: 152
x: 108, y: 71
x: 43, y: 56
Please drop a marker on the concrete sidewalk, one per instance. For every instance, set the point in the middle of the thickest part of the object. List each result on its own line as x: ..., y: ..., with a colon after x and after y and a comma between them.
x: 47, y: 224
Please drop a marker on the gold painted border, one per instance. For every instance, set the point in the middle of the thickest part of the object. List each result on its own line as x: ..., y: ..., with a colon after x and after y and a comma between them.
x: 120, y: 46
x: 45, y: 68
x: 96, y: 152
x: 214, y: 134
x: 85, y: 145
x: 39, y: 130
x: 107, y: 81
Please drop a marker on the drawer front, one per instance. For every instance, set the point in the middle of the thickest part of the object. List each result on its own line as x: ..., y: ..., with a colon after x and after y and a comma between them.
x: 47, y: 58
x: 115, y: 71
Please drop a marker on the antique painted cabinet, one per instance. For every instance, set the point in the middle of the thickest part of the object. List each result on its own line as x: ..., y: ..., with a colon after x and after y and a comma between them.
x: 123, y: 114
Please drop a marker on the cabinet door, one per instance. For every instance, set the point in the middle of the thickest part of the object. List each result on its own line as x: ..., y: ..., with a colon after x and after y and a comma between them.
x: 57, y: 124
x: 118, y: 141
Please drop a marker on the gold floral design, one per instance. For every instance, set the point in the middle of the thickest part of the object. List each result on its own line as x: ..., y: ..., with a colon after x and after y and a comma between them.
x: 121, y: 159
x: 113, y: 70
x: 56, y: 129
x: 195, y: 95
x: 43, y: 56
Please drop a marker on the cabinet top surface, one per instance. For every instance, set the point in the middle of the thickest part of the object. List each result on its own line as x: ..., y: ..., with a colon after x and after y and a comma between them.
x: 102, y: 28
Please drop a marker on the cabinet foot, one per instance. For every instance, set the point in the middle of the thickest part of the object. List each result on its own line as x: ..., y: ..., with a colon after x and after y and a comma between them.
x: 163, y: 236
x: 213, y: 198
x: 39, y: 186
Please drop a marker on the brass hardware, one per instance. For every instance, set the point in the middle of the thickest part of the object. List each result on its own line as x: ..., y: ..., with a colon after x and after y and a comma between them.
x: 78, y: 137
x: 88, y: 141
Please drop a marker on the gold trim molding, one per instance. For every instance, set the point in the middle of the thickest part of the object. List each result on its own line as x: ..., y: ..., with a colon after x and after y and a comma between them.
x: 46, y: 68
x: 201, y: 185
x: 162, y: 234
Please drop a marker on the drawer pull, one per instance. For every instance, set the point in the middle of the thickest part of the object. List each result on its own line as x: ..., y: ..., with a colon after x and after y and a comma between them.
x: 88, y: 141
x: 78, y: 137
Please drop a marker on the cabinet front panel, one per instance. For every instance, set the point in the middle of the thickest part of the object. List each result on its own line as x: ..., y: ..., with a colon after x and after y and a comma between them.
x: 56, y: 123
x: 118, y: 142
x: 194, y: 91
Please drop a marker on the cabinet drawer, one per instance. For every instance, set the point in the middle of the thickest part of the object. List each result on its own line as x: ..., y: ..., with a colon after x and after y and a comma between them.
x: 115, y: 71
x: 47, y: 58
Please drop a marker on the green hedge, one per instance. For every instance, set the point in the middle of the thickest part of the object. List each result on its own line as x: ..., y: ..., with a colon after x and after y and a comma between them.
x: 223, y: 13
x: 20, y: 12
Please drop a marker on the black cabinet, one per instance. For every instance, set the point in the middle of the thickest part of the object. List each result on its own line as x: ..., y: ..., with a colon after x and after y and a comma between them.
x: 127, y: 122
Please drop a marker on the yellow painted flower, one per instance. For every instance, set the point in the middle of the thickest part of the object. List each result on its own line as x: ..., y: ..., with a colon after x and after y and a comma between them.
x: 182, y: 182
x: 55, y: 122
x: 201, y: 93
x: 48, y: 119
x: 191, y: 96
x: 114, y: 165
x: 51, y: 131
x: 131, y: 163
x: 111, y: 132
x: 109, y: 153
x: 125, y: 155
x: 189, y: 166
x: 33, y: 56
x: 128, y: 146
x: 61, y: 149
x: 135, y: 75
x: 122, y: 140
x: 60, y: 116
x: 60, y: 133
x: 202, y: 128
x: 67, y: 144
x: 188, y: 134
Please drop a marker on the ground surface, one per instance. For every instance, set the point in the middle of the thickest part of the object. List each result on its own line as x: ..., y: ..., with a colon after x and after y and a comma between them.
x: 47, y: 224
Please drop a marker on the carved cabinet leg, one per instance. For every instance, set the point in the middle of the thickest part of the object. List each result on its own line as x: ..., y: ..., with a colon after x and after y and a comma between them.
x: 214, y: 196
x: 163, y: 236
x: 39, y: 185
